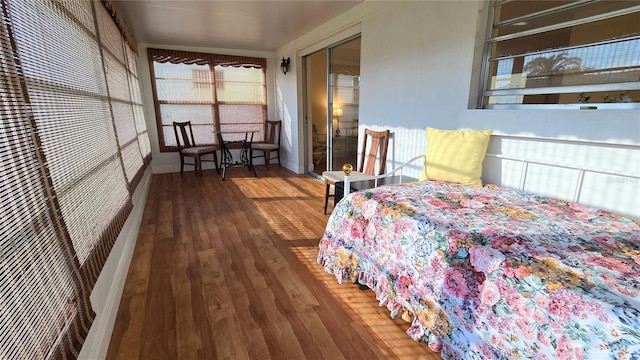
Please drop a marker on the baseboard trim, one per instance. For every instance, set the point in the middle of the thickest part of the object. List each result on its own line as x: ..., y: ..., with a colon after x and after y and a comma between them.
x: 96, y: 344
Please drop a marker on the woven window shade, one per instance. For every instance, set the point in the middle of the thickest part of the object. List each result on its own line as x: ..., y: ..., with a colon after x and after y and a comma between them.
x: 116, y: 14
x: 120, y: 96
x: 45, y: 304
x: 67, y: 93
x: 242, y: 98
x: 214, y: 92
x: 138, y: 112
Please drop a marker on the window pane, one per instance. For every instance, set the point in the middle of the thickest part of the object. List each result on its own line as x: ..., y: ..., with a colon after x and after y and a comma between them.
x: 125, y: 127
x: 598, y: 56
x: 197, y: 114
x: 117, y: 78
x: 608, y: 29
x: 66, y: 119
x: 180, y: 82
x: 520, y: 8
x: 239, y: 85
x: 597, y: 64
x: 202, y: 134
x: 515, y: 9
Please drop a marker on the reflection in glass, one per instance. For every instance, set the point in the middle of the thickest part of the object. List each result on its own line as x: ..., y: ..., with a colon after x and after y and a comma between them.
x: 344, y: 73
x: 597, y: 64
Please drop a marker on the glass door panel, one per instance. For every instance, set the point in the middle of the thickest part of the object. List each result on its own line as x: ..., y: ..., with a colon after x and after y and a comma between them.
x: 343, y: 90
x: 316, y: 70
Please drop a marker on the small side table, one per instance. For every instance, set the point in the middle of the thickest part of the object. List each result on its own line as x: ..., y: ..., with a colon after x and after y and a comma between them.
x: 368, y: 184
x: 245, y: 151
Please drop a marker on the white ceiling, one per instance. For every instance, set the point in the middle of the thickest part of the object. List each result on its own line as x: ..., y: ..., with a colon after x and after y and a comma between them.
x: 246, y: 25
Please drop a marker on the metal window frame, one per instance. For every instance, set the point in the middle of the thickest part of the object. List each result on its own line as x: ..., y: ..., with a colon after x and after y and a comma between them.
x: 566, y: 24
x: 540, y: 13
x: 489, y: 40
x: 565, y: 89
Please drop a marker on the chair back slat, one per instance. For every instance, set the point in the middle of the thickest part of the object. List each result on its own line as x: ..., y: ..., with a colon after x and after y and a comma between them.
x: 377, y: 150
x: 273, y: 131
x: 184, y: 139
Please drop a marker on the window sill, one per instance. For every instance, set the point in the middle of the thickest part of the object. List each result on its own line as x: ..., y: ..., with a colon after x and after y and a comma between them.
x: 587, y: 106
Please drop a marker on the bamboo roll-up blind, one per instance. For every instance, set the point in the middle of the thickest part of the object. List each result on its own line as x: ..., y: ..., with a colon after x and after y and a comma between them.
x: 73, y: 145
x: 45, y: 304
x: 119, y: 95
x: 68, y: 95
x: 138, y: 112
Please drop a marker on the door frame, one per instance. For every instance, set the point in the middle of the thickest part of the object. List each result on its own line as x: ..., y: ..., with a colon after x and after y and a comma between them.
x: 306, y: 108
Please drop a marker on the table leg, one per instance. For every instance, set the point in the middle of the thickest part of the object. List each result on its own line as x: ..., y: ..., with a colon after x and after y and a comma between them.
x: 246, y: 156
x: 227, y: 159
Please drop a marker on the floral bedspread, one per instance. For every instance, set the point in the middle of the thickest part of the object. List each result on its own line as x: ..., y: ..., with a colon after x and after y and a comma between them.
x: 493, y: 273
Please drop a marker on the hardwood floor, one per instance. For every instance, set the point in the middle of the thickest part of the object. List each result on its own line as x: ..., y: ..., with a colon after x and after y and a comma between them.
x: 227, y: 270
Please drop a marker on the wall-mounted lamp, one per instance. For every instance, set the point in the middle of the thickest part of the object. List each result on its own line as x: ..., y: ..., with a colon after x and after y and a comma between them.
x: 284, y: 65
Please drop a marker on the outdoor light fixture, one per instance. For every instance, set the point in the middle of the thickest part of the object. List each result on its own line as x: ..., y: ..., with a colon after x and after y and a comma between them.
x: 284, y: 65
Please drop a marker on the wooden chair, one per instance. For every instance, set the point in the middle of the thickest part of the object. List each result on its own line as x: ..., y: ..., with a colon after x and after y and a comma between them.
x: 379, y: 144
x: 272, y: 143
x: 187, y: 147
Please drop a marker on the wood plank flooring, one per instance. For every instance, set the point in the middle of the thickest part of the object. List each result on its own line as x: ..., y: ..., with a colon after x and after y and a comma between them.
x: 227, y: 270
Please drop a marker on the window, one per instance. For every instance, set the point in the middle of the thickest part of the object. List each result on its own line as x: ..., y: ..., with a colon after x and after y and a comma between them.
x: 214, y: 92
x: 562, y: 54
x: 41, y: 293
x: 120, y: 90
x: 69, y: 155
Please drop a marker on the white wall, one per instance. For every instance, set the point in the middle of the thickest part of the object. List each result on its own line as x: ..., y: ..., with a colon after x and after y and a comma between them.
x: 286, y: 109
x: 417, y: 70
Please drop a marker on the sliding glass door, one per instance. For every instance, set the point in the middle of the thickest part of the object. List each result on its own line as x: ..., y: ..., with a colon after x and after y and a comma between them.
x: 332, y: 78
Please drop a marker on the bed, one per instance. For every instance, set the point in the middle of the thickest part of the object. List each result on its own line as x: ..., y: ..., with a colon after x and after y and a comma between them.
x: 490, y: 272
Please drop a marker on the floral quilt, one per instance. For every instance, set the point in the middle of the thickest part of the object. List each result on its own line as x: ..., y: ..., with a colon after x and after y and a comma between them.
x: 493, y: 273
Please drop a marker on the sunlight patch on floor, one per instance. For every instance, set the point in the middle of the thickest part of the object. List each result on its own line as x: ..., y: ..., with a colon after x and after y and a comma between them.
x: 365, y: 308
x: 279, y: 215
x: 274, y: 185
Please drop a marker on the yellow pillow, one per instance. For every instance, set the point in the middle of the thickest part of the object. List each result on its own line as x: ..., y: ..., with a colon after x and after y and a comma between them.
x: 455, y: 155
